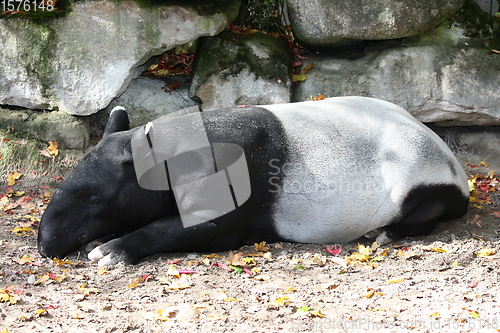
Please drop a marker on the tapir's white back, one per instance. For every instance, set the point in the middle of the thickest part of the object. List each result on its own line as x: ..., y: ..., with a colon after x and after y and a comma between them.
x: 357, y: 158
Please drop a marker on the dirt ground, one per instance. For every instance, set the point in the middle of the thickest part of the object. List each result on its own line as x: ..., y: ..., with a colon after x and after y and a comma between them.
x: 439, y: 282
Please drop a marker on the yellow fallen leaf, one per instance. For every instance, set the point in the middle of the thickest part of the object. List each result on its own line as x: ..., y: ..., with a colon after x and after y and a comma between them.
x: 60, y: 278
x: 249, y: 261
x: 102, y: 271
x: 290, y: 289
x: 483, y: 163
x: 32, y: 218
x: 22, y: 231
x: 26, y: 318
x: 20, y: 193
x: 41, y: 312
x: 434, y: 314
x: 433, y: 249
x: 317, y: 314
x: 7, y: 296
x: 160, y: 315
x: 366, y: 250
x: 370, y: 294
x: 454, y: 264
x: 61, y: 262
x: 231, y: 299
x: 486, y: 253
x: 87, y: 291
x: 133, y: 284
x: 261, y: 247
x: 12, y: 177
x: 53, y: 148
x: 44, y: 278
x: 471, y: 185
x: 25, y: 259
x: 280, y: 301
x: 173, y: 271
x: 395, y: 280
x: 299, y: 77
x: 213, y: 255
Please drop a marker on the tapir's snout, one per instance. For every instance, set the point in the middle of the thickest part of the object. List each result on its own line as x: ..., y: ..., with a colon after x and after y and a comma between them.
x: 46, y: 245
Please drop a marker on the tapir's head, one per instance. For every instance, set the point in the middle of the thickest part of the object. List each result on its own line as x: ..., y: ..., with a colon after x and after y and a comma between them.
x: 100, y: 197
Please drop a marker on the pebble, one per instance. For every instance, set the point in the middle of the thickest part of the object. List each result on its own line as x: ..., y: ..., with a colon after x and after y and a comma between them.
x: 31, y: 279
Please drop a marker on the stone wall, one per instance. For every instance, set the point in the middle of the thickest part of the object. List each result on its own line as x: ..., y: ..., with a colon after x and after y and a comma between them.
x: 437, y: 59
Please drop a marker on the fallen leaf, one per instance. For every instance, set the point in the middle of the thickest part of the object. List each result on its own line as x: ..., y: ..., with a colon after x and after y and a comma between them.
x: 317, y: 98
x: 318, y: 259
x: 12, y: 177
x: 280, y: 301
x: 133, y: 284
x: 299, y: 77
x: 433, y: 249
x: 173, y: 271
x: 177, y: 284
x: 222, y: 266
x: 308, y: 67
x: 317, y: 314
x: 474, y: 313
x: 261, y: 247
x: 160, y: 315
x: 87, y: 291
x: 6, y: 295
x: 53, y: 148
x: 41, y: 313
x: 23, y: 231
x: 330, y: 250
x: 235, y: 259
x: 268, y: 256
x: 486, y: 253
x: 395, y: 280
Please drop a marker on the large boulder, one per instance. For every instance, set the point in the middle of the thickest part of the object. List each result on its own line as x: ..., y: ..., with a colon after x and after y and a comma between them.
x: 233, y: 69
x: 147, y: 99
x: 324, y: 23
x: 449, y: 75
x: 80, y: 62
x: 68, y: 131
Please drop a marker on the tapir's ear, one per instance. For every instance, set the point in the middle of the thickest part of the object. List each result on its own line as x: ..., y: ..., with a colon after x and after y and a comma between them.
x: 118, y: 121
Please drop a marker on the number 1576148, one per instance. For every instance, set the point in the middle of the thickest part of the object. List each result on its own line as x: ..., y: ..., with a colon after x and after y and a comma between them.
x: 26, y: 5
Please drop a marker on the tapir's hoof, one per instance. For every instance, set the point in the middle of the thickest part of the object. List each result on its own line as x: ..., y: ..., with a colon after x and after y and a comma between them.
x: 109, y: 254
x: 384, y: 238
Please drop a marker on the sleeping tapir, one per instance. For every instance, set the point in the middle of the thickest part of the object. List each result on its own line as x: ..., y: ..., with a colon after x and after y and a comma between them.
x: 312, y: 172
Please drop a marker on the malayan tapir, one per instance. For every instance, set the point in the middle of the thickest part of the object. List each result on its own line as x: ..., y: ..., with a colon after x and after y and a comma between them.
x: 325, y: 171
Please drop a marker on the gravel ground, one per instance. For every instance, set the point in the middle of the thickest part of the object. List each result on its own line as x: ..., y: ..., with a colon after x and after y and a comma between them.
x: 432, y: 283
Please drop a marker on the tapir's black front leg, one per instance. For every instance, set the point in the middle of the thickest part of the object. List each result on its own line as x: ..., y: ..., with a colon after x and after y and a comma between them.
x: 164, y: 235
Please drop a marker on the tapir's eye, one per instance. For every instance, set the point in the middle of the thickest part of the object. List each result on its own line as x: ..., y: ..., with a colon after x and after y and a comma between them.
x: 95, y: 202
